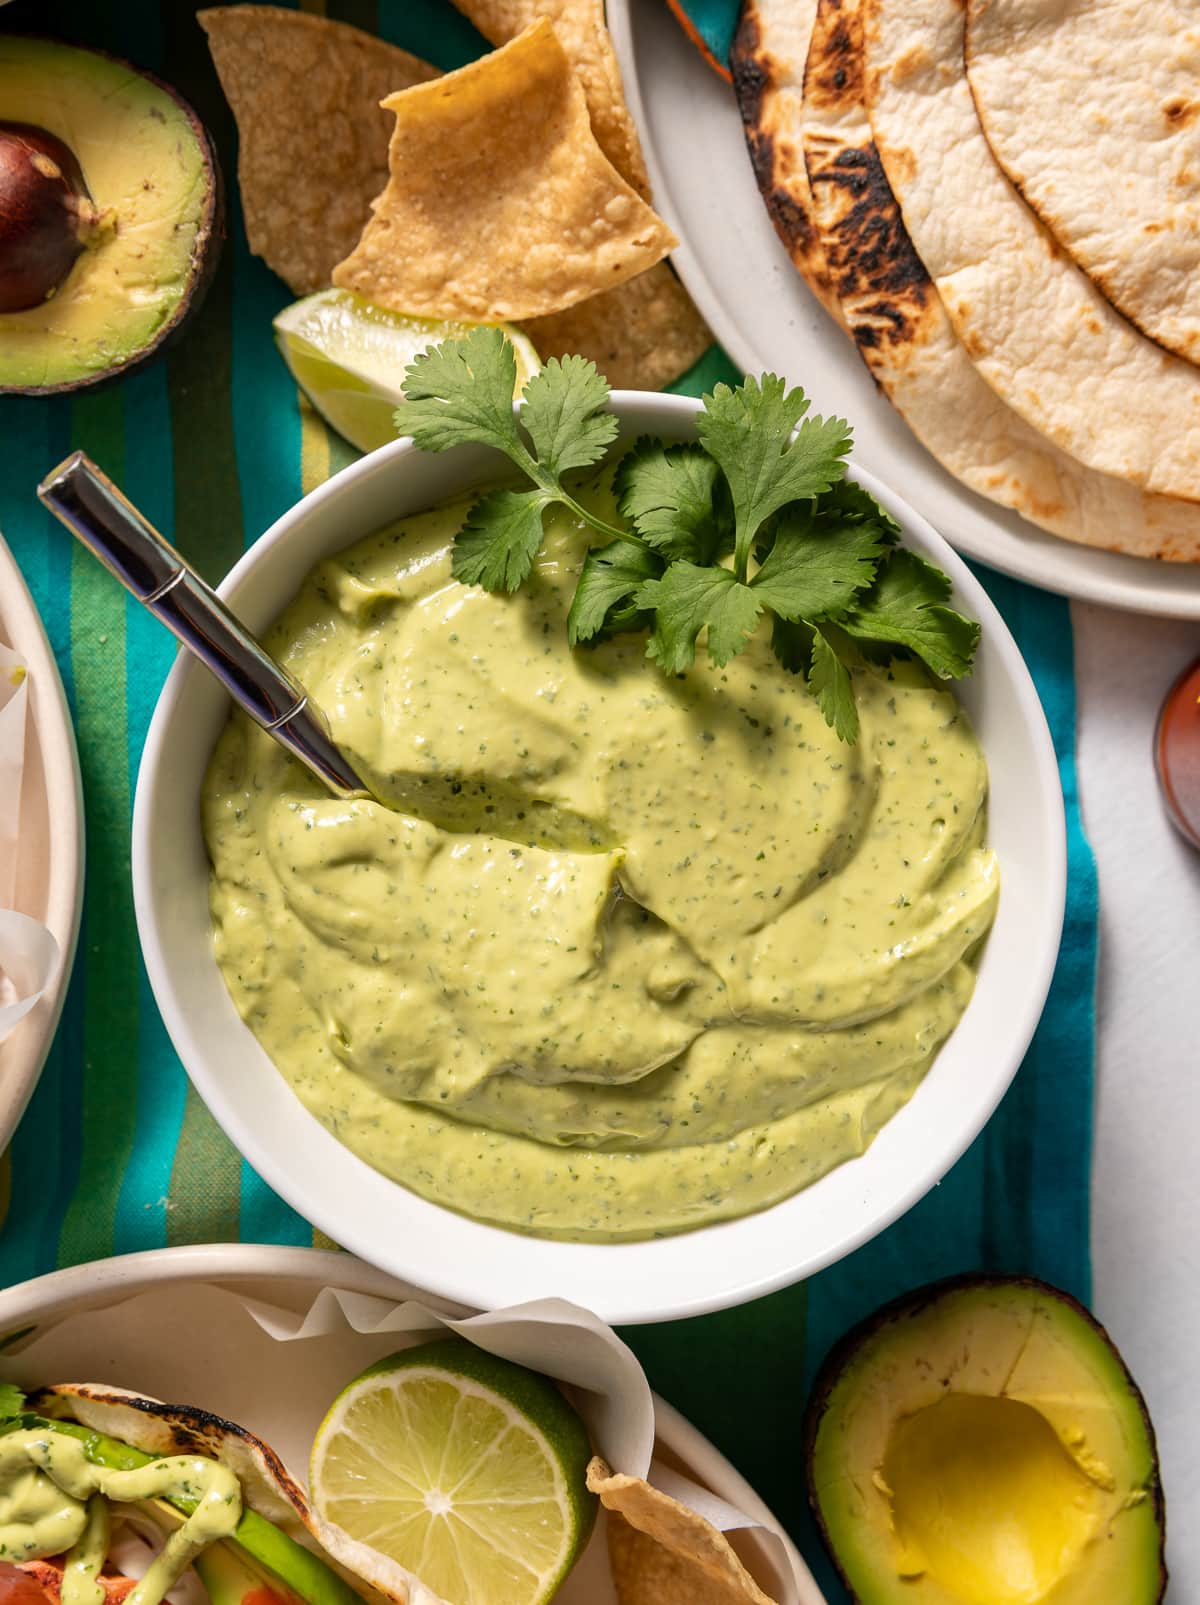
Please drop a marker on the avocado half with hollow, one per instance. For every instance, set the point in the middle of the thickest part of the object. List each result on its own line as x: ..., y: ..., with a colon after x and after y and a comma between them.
x: 110, y: 215
x: 980, y: 1442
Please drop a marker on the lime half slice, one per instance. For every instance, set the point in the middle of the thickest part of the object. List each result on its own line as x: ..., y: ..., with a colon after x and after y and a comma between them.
x: 349, y: 357
x: 448, y: 1467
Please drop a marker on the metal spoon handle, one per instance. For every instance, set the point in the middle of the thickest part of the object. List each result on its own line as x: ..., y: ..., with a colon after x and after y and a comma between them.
x: 108, y: 524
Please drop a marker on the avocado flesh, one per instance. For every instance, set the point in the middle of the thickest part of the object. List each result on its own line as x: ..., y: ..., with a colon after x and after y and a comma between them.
x: 257, y: 1545
x: 150, y: 173
x: 229, y: 1575
x: 981, y: 1443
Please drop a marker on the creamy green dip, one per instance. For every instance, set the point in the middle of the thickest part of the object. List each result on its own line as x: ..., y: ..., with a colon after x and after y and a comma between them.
x: 624, y: 954
x: 54, y: 1500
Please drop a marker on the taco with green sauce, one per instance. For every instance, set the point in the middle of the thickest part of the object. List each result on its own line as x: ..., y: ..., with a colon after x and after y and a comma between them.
x: 110, y: 1498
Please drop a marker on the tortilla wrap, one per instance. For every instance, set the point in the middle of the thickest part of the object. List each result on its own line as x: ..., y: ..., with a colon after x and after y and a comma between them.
x: 1092, y: 108
x: 267, y: 1486
x: 767, y: 61
x: 908, y: 343
x: 1036, y: 327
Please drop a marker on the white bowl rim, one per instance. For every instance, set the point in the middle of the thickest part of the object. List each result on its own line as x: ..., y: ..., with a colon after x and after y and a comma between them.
x: 23, y: 1054
x: 478, y: 1285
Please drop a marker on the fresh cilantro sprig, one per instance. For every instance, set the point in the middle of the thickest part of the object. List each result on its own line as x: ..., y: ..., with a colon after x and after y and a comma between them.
x: 756, y: 519
x: 463, y: 390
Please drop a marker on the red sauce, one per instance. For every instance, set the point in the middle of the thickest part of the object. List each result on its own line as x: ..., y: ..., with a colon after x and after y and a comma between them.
x: 1177, y: 753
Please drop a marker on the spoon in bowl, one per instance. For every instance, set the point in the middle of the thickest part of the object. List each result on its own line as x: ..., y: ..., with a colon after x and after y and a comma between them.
x: 150, y: 569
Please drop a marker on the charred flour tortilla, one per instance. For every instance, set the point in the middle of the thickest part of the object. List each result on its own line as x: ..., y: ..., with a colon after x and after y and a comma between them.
x: 312, y: 136
x: 160, y: 1429
x: 1092, y: 108
x: 641, y: 336
x: 767, y: 60
x: 663, y: 1553
x: 581, y: 32
x: 1037, y: 329
x: 165, y: 1429
x: 907, y: 341
x: 500, y: 204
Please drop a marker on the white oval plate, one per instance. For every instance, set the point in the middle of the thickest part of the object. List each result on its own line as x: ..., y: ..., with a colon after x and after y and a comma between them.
x: 50, y: 873
x: 741, y: 279
x: 185, y: 1349
x: 484, y: 1266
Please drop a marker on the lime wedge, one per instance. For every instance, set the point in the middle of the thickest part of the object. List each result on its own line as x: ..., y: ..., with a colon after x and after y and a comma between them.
x: 464, y: 1472
x: 349, y: 357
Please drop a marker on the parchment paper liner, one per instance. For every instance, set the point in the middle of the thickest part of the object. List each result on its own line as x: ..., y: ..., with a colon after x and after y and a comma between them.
x: 28, y: 953
x: 560, y: 1339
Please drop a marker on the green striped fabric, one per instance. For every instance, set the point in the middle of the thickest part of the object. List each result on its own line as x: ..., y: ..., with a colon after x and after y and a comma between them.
x: 116, y: 1152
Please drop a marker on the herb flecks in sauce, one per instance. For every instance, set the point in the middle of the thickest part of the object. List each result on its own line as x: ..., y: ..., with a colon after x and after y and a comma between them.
x: 631, y: 952
x: 53, y: 1498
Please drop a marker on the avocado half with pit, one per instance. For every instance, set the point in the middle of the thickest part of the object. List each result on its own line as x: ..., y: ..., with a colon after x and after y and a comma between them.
x: 110, y: 215
x: 980, y: 1442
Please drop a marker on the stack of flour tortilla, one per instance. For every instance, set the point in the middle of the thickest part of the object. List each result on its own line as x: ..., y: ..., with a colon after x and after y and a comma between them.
x: 999, y: 200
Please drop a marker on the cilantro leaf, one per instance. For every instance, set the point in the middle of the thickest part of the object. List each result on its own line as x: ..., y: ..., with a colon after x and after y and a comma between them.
x: 748, y: 431
x: 905, y: 607
x: 814, y: 572
x: 847, y: 501
x: 766, y: 482
x: 496, y: 546
x: 792, y: 644
x: 12, y: 1400
x: 829, y: 680
x: 611, y: 575
x: 676, y: 499
x: 463, y: 390
x: 563, y: 410
x: 689, y: 599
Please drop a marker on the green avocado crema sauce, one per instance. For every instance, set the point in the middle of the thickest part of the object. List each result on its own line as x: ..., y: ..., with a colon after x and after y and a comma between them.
x: 623, y: 954
x: 53, y: 1499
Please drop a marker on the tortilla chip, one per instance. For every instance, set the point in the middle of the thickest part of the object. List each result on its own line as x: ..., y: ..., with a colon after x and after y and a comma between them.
x: 312, y: 137
x: 662, y: 1553
x: 641, y: 336
x: 581, y: 32
x: 501, y: 205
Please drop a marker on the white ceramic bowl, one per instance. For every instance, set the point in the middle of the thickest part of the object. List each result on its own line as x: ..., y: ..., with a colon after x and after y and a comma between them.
x: 50, y: 869
x: 185, y: 1340
x: 485, y: 1266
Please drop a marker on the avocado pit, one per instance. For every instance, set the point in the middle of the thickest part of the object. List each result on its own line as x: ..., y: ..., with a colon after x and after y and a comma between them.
x: 110, y: 215
x: 46, y: 214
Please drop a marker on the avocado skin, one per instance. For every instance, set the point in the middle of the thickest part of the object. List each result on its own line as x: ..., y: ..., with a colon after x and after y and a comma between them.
x: 907, y: 1305
x: 210, y: 241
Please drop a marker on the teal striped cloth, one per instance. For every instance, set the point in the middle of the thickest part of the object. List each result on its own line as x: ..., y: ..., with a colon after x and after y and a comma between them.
x: 116, y: 1152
